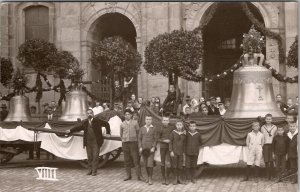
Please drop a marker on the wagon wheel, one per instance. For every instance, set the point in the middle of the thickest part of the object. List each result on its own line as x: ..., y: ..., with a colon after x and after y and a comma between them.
x: 102, y: 161
x: 5, y: 157
x: 114, y: 154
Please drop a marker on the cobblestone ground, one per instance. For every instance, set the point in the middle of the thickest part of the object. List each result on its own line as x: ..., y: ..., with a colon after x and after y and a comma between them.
x: 20, y: 175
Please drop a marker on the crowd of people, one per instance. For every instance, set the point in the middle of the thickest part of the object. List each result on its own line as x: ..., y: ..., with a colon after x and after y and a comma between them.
x: 179, y: 145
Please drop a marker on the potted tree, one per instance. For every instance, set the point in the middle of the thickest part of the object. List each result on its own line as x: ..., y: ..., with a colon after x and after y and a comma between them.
x: 75, y: 96
x: 173, y: 55
x: 39, y: 55
x: 120, y: 61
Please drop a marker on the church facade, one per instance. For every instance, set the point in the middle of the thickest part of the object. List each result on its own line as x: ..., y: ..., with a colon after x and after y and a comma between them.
x: 76, y: 26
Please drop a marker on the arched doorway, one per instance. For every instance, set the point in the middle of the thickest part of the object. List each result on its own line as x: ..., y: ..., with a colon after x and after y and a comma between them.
x: 108, y: 25
x: 222, y: 38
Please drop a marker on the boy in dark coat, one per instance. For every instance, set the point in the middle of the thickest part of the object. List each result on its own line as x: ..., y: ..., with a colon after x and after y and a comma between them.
x: 177, y: 150
x: 193, y: 142
x: 163, y: 139
x: 280, y: 147
x: 292, y: 150
x: 147, y: 143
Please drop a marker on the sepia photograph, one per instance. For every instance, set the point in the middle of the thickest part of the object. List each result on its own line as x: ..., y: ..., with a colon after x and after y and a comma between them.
x: 108, y: 96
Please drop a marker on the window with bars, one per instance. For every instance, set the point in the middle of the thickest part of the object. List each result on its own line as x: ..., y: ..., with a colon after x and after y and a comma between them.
x: 228, y: 44
x: 37, y: 22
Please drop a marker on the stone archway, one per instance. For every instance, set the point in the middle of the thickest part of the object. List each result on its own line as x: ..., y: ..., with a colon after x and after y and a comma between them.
x: 195, y: 12
x: 95, y: 27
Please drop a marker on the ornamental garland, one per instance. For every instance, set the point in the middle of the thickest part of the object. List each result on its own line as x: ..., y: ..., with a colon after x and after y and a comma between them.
x: 292, y: 59
x: 265, y: 31
x: 281, y: 77
x: 192, y: 76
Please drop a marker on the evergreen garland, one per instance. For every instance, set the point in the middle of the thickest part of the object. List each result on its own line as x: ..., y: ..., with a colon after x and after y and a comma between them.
x: 292, y: 59
x: 6, y: 71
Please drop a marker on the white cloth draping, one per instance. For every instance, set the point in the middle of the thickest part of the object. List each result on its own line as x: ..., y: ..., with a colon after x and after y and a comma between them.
x: 72, y: 147
x: 218, y: 155
x: 19, y: 133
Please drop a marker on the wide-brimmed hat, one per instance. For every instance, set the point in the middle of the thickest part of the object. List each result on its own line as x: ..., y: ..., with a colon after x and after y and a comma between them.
x: 212, y: 98
x: 3, y: 105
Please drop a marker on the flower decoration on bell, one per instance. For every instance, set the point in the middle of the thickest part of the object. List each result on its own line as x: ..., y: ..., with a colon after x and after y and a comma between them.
x: 253, y: 42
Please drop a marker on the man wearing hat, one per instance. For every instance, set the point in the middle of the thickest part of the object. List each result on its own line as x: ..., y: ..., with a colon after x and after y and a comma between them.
x: 212, y: 109
x: 3, y: 112
x: 188, y: 104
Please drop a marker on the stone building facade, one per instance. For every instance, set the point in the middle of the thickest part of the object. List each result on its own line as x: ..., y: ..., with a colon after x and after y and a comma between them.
x: 76, y: 26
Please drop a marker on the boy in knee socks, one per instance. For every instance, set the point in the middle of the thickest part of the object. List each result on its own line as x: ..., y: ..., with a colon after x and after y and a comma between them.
x: 193, y: 142
x: 254, y: 142
x: 163, y: 139
x: 269, y: 131
x: 177, y: 150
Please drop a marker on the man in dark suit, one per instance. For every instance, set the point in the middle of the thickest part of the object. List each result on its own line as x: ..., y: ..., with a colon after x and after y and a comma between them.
x: 280, y: 104
x: 212, y: 109
x: 92, y: 139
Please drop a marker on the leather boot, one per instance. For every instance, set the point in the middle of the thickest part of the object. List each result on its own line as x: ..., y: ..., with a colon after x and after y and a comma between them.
x: 150, y: 175
x: 167, y: 175
x: 192, y: 173
x: 163, y: 173
x: 256, y: 173
x: 247, y: 173
x: 147, y: 171
x: 179, y: 176
x: 89, y: 173
x: 128, y: 172
x: 176, y: 176
x: 139, y: 174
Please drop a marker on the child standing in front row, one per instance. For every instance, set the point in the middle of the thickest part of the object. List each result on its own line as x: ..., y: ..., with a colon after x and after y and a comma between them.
x: 193, y: 142
x: 254, y: 142
x: 280, y: 147
x: 292, y: 150
x: 177, y: 150
x: 147, y: 142
x: 269, y: 131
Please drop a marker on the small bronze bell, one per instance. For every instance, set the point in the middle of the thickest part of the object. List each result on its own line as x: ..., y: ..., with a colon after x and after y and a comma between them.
x: 75, y: 107
x: 18, y: 109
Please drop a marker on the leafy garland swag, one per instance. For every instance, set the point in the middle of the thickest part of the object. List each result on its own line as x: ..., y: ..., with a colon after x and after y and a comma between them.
x: 256, y: 23
x: 264, y: 30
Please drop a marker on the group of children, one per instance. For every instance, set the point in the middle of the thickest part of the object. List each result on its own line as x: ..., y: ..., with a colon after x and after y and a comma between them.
x: 269, y: 142
x: 180, y: 146
x: 175, y: 145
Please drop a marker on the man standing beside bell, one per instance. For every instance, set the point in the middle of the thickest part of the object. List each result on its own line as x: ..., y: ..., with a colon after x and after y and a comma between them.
x: 92, y: 139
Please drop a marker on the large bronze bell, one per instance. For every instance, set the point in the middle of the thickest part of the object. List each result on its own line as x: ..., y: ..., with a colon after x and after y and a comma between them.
x: 75, y: 107
x: 252, y: 93
x: 18, y: 109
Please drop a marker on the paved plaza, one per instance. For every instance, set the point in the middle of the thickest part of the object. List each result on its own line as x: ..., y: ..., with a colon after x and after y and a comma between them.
x: 20, y: 175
